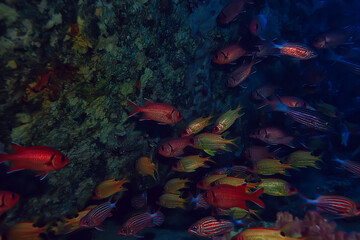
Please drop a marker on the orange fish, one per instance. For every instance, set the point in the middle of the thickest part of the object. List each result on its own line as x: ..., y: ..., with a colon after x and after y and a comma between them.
x: 174, y: 147
x: 145, y: 167
x: 109, y: 187
x: 191, y: 163
x: 196, y: 126
x: 71, y: 224
x: 230, y: 11
x: 7, y: 201
x: 170, y: 200
x: 229, y: 54
x: 160, y: 112
x: 25, y: 231
x: 173, y: 185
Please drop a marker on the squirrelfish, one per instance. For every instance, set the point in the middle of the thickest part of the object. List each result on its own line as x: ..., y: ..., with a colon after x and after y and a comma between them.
x: 170, y: 200
x: 273, y: 136
x: 38, y: 158
x: 351, y: 166
x: 336, y: 205
x: 263, y: 234
x: 174, y: 147
x: 241, y: 73
x: 97, y: 215
x: 25, y: 230
x: 210, y: 143
x: 227, y: 196
x: 206, y: 182
x: 191, y: 163
x: 211, y: 227
x: 230, y: 11
x: 292, y: 101
x: 297, y: 50
x: 277, y: 187
x: 109, y: 187
x: 229, y: 54
x: 175, y: 184
x: 145, y: 167
x: 139, y: 221
x: 227, y: 119
x: 8, y: 200
x: 196, y: 126
x: 162, y: 113
x: 271, y: 167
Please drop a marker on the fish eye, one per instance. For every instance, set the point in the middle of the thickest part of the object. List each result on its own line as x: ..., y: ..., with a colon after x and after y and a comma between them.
x: 179, y: 115
x: 194, y: 228
x: 162, y: 148
x: 13, y: 195
x: 63, y: 158
x: 282, y: 233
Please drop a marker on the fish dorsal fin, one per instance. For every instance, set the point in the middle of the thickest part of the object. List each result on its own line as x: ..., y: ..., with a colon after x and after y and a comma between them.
x: 147, y: 102
x: 16, y: 147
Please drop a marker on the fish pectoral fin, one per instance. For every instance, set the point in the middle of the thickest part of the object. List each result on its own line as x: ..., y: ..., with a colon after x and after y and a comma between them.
x: 42, y: 175
x: 99, y: 229
x: 210, y: 152
x: 14, y: 168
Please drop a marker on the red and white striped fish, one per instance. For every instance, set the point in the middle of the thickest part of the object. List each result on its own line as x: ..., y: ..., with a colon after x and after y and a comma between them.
x: 213, y: 226
x: 335, y: 205
x: 97, y: 215
x: 199, y: 201
x: 140, y: 221
x: 297, y: 50
x: 351, y: 166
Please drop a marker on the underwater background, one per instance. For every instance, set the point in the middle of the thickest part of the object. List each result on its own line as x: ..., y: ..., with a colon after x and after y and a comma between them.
x: 71, y: 72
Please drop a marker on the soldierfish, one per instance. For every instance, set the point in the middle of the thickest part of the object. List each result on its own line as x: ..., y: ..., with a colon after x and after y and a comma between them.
x: 263, y: 92
x: 139, y: 221
x: 230, y: 11
x: 196, y: 126
x: 174, y: 147
x: 229, y: 54
x: 227, y: 196
x: 210, y: 143
x: 7, y: 201
x: 227, y: 119
x: 241, y: 73
x: 38, y: 158
x: 162, y: 113
x: 273, y: 136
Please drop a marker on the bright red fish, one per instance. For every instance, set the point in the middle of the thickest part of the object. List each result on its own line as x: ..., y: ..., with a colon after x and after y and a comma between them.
x: 351, y: 166
x: 227, y: 196
x: 297, y: 50
x: 336, y: 205
x: 174, y: 147
x: 38, y: 158
x: 160, y: 112
x: 7, y: 201
x: 140, y: 221
x: 212, y: 227
x: 97, y: 215
x: 229, y: 54
x: 230, y: 11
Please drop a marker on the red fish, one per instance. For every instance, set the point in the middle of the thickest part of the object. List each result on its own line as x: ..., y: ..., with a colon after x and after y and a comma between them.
x: 331, y: 39
x: 140, y: 221
x: 38, y: 158
x: 256, y: 153
x: 291, y: 101
x: 273, y: 136
x: 226, y: 196
x: 7, y: 201
x: 336, y: 205
x: 241, y: 73
x: 351, y: 166
x: 230, y: 11
x: 97, y: 215
x: 229, y: 54
x: 297, y: 50
x: 160, y: 112
x: 174, y: 147
x: 212, y: 227
x: 257, y: 25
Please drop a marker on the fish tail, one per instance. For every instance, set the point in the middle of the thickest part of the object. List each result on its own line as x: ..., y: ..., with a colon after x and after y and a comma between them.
x: 255, y: 197
x: 255, y: 213
x: 307, y: 200
x: 136, y: 108
x: 232, y: 142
